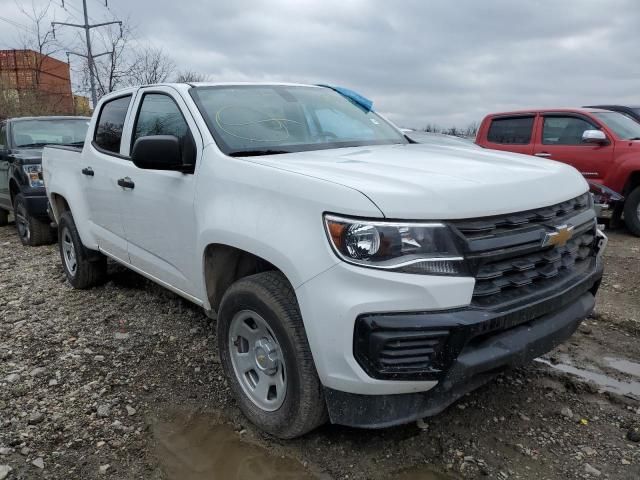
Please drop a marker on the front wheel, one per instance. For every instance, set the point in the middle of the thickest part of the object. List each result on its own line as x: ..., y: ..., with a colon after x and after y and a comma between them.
x: 266, y: 356
x: 84, y: 268
x: 632, y: 212
x: 31, y: 231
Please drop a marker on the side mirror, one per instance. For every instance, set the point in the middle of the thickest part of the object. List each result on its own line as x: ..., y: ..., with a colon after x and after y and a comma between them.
x: 159, y: 152
x: 594, y: 136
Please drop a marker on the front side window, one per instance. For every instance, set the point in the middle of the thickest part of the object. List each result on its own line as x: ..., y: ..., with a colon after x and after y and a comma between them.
x: 511, y: 131
x: 159, y: 115
x: 108, y: 134
x: 624, y: 127
x: 565, y: 130
x: 59, y: 131
x: 266, y: 119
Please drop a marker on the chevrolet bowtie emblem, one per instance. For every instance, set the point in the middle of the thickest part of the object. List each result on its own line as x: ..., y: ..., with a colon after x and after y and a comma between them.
x: 560, y: 237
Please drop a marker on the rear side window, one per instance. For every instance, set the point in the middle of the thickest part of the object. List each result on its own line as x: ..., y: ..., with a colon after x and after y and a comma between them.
x: 3, y: 136
x: 108, y: 134
x: 511, y: 131
x: 564, y: 130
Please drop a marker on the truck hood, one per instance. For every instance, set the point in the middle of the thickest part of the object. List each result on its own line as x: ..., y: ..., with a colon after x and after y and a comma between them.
x: 27, y: 155
x: 420, y: 181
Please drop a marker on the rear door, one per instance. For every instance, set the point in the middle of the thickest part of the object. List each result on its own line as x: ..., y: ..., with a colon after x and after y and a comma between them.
x: 513, y: 133
x: 560, y: 138
x: 101, y: 166
x: 158, y: 214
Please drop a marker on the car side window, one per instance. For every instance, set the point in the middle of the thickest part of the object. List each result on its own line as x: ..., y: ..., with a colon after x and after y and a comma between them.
x: 3, y: 136
x: 511, y: 131
x: 565, y: 130
x: 160, y: 115
x: 108, y: 134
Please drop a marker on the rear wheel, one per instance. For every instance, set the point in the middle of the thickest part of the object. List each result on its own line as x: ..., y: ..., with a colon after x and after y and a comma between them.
x: 84, y: 268
x: 632, y: 211
x: 266, y: 356
x: 31, y: 231
x: 4, y: 217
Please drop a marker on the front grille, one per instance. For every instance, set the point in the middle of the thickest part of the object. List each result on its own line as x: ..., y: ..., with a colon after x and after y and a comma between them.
x: 511, y: 264
x: 496, y: 225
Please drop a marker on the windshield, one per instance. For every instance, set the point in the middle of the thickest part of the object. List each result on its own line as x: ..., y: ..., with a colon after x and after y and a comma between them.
x: 37, y: 133
x: 623, y: 126
x: 269, y: 119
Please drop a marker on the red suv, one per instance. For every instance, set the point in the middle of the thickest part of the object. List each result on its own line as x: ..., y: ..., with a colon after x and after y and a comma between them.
x: 603, y: 145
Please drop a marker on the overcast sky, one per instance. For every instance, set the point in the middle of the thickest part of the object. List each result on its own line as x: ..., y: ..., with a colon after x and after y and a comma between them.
x: 447, y: 62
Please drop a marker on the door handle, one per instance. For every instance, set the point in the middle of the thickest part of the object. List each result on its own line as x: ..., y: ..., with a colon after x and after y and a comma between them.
x: 126, y: 182
x: 88, y: 171
x: 542, y: 154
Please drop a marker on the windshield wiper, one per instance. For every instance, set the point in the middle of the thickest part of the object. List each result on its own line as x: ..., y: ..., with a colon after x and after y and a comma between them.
x: 256, y: 153
x: 635, y: 138
x: 32, y: 145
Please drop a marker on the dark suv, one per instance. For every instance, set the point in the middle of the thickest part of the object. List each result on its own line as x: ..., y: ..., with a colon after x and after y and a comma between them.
x: 633, y: 112
x: 21, y: 184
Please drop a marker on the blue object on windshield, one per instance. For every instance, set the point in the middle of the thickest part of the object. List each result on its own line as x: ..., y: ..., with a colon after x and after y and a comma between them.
x: 363, y: 102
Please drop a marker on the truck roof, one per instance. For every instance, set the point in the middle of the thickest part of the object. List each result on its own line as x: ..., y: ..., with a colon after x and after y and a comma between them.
x: 545, y: 110
x: 48, y: 117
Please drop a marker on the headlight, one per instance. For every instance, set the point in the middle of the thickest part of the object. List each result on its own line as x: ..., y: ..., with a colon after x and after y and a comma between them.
x: 411, y: 247
x: 34, y: 174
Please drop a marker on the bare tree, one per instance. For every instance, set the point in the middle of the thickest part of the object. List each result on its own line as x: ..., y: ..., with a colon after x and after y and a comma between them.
x: 150, y: 65
x: 188, y: 76
x: 41, y: 37
x: 431, y: 127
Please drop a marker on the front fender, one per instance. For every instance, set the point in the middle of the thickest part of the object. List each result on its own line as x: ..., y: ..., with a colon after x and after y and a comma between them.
x: 271, y: 213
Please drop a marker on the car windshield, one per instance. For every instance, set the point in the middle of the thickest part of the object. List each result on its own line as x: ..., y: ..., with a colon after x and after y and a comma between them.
x: 271, y: 119
x: 36, y: 133
x: 624, y: 127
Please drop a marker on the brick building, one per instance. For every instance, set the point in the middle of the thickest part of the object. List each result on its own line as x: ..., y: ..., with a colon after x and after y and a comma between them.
x: 30, y: 76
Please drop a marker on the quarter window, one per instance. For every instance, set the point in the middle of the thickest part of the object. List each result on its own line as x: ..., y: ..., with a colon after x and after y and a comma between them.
x: 511, y: 131
x: 108, y: 134
x: 564, y: 130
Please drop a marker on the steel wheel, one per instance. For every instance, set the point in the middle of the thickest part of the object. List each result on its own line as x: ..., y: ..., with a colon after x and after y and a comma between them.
x: 257, y: 360
x: 69, y: 252
x: 22, y: 223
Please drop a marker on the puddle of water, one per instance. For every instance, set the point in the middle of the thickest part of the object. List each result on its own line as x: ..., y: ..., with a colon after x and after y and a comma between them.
x: 602, y: 380
x: 624, y: 366
x: 195, y: 448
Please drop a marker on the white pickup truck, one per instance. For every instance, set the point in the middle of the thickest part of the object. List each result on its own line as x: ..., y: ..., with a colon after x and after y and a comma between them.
x: 355, y: 276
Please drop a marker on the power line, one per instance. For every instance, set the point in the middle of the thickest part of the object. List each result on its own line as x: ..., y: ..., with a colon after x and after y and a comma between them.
x: 87, y: 27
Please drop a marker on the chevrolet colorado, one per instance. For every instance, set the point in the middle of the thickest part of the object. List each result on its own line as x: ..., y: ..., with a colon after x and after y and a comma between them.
x: 355, y: 276
x: 21, y: 186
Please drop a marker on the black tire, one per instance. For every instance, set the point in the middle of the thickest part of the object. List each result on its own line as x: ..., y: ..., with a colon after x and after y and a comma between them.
x: 632, y: 212
x: 90, y: 265
x: 4, y: 218
x: 31, y: 231
x: 271, y: 296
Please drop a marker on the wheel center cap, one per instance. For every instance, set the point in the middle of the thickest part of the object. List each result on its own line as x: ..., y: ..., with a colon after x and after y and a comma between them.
x: 266, y: 356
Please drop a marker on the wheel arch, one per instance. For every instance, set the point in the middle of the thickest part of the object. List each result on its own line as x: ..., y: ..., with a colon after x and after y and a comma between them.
x: 225, y: 264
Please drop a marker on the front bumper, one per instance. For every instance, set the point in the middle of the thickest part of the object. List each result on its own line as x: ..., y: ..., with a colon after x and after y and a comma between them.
x: 37, y: 203
x: 490, y: 346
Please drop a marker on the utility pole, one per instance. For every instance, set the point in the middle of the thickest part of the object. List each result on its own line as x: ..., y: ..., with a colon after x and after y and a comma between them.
x: 89, y: 56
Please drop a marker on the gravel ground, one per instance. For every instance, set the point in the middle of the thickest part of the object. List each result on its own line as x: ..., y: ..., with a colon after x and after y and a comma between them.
x: 123, y: 381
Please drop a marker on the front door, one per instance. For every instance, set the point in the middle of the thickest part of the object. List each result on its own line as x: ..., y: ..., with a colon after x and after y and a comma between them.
x: 560, y: 139
x: 158, y: 213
